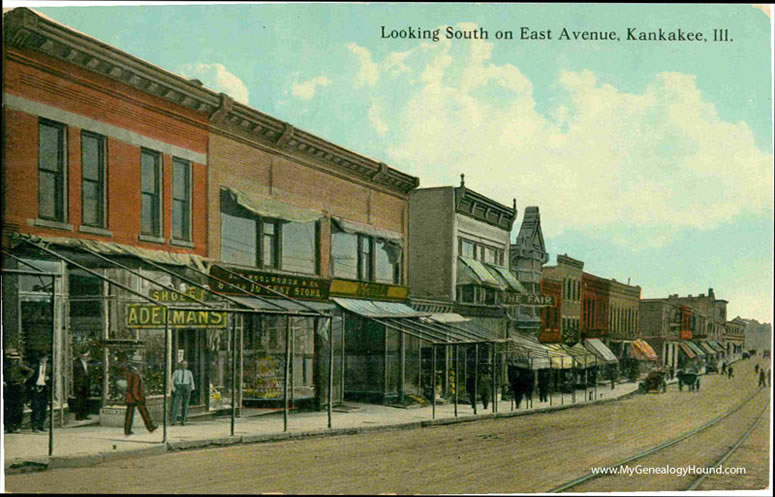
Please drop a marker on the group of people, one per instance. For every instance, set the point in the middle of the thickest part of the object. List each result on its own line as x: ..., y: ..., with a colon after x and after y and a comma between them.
x: 23, y: 384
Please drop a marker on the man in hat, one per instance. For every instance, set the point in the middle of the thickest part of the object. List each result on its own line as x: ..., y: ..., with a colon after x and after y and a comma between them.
x: 15, y: 376
x: 135, y: 397
x: 39, y: 386
x: 81, y: 385
x: 182, y: 386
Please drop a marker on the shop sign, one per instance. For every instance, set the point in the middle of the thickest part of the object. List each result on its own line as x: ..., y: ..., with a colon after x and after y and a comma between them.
x: 528, y: 299
x: 190, y: 295
x: 297, y: 287
x: 154, y: 316
x: 686, y: 334
x: 348, y: 288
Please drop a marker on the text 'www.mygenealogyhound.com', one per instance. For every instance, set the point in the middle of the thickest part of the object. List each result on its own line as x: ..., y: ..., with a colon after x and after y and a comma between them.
x: 691, y: 470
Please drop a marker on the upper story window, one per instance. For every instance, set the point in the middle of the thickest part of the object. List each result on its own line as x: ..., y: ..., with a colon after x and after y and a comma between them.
x: 181, y: 199
x: 251, y: 240
x: 480, y: 252
x: 151, y: 221
x: 364, y: 257
x: 93, y: 208
x: 52, y: 197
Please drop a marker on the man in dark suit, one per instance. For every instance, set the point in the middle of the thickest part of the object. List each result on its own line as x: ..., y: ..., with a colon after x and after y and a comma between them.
x: 135, y: 397
x: 15, y: 375
x: 39, y: 387
x: 81, y: 385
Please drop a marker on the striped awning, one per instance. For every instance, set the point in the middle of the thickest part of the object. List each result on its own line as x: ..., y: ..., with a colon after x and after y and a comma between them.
x: 562, y: 359
x: 472, y: 271
x: 696, y: 349
x: 707, y: 348
x: 687, y: 350
x: 642, y: 351
x: 602, y: 352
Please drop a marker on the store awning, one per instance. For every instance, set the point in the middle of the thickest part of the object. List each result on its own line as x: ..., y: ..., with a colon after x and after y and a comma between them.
x: 696, y: 349
x: 687, y: 350
x: 402, y: 318
x: 354, y: 227
x: 506, y: 277
x: 561, y: 358
x: 293, y: 306
x: 470, y: 271
x: 268, y: 207
x: 448, y: 317
x: 525, y: 351
x: 642, y: 351
x: 581, y: 356
x: 602, y: 352
x: 716, y: 345
x: 112, y: 248
x: 707, y: 348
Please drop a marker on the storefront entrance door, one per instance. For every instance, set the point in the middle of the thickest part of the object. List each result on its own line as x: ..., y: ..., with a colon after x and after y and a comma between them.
x: 190, y: 345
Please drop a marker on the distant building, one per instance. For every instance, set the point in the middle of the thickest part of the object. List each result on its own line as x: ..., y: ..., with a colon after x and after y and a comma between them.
x: 567, y: 273
x: 757, y: 335
x: 526, y: 258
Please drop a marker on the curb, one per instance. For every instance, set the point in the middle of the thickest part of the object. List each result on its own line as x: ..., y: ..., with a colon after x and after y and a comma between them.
x: 86, y: 460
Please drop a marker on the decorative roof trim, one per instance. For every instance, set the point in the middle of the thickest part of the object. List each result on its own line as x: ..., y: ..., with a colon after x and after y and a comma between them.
x: 27, y: 29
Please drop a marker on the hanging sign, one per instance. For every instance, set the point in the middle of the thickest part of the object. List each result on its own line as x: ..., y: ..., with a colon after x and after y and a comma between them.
x: 297, y: 287
x: 349, y: 288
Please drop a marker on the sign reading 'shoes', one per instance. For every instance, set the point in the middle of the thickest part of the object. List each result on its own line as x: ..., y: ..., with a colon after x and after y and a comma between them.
x: 154, y: 316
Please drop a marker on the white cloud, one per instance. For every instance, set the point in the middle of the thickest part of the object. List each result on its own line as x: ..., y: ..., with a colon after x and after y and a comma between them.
x: 377, y: 119
x: 307, y: 89
x: 216, y: 76
x: 600, y: 158
x: 369, y: 71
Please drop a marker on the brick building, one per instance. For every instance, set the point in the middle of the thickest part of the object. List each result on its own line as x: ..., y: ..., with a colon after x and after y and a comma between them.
x: 568, y: 273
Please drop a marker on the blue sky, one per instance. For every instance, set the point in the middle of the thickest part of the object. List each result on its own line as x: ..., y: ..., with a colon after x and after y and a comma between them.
x: 649, y: 160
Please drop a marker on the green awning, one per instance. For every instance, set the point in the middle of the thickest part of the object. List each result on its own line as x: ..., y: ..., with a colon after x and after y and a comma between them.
x: 506, y: 276
x: 470, y: 271
x: 269, y: 207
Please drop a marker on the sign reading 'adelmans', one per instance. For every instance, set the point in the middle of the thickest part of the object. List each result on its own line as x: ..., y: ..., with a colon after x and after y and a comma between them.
x: 153, y: 316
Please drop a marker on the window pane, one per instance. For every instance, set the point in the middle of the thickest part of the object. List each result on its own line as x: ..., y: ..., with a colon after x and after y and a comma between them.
x: 47, y: 193
x: 91, y: 160
x: 238, y: 240
x: 365, y: 258
x: 468, y: 249
x: 150, y: 216
x: 299, y: 247
x: 180, y: 180
x: 149, y: 173
x: 180, y: 220
x: 387, y: 257
x: 50, y: 147
x: 92, y: 203
x: 344, y: 253
x: 269, y: 246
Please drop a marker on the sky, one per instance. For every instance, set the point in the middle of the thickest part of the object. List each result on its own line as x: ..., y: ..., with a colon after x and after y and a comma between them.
x: 651, y: 161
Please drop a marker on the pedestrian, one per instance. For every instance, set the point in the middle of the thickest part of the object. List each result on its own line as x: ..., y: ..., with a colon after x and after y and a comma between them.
x: 756, y: 368
x: 730, y: 372
x: 81, y: 385
x: 516, y: 387
x: 769, y: 378
x: 543, y: 385
x: 724, y: 367
x: 182, y: 386
x: 485, y: 386
x: 15, y: 376
x: 762, y: 378
x: 39, y: 387
x: 470, y: 383
x: 135, y: 397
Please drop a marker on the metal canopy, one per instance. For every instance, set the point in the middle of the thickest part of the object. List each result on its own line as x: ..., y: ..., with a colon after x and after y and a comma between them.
x: 378, y: 309
x: 598, y: 348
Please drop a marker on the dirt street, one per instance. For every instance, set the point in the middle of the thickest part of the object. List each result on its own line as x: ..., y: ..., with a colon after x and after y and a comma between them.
x: 523, y: 454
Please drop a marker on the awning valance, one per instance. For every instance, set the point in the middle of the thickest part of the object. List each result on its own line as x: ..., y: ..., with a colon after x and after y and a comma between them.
x: 642, y: 351
x: 354, y: 227
x: 269, y: 207
x: 602, y: 352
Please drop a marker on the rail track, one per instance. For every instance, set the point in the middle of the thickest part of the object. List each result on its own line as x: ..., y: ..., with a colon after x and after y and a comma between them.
x: 568, y: 486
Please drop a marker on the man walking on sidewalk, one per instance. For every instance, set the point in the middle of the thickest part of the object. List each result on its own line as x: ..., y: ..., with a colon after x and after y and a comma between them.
x: 135, y: 397
x: 40, y: 389
x: 182, y: 386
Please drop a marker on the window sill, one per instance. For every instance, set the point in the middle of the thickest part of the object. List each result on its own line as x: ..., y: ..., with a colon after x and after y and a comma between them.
x: 45, y: 223
x: 95, y: 231
x: 151, y: 239
x: 181, y: 243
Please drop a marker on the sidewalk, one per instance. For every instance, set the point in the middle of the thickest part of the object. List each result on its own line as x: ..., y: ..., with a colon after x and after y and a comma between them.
x: 92, y: 444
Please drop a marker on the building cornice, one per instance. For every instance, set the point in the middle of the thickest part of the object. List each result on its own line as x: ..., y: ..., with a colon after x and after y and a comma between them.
x: 477, y: 206
x: 26, y: 29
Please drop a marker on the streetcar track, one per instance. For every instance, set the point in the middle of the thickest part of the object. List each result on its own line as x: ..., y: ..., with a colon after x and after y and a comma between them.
x: 696, y: 483
x: 591, y: 476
